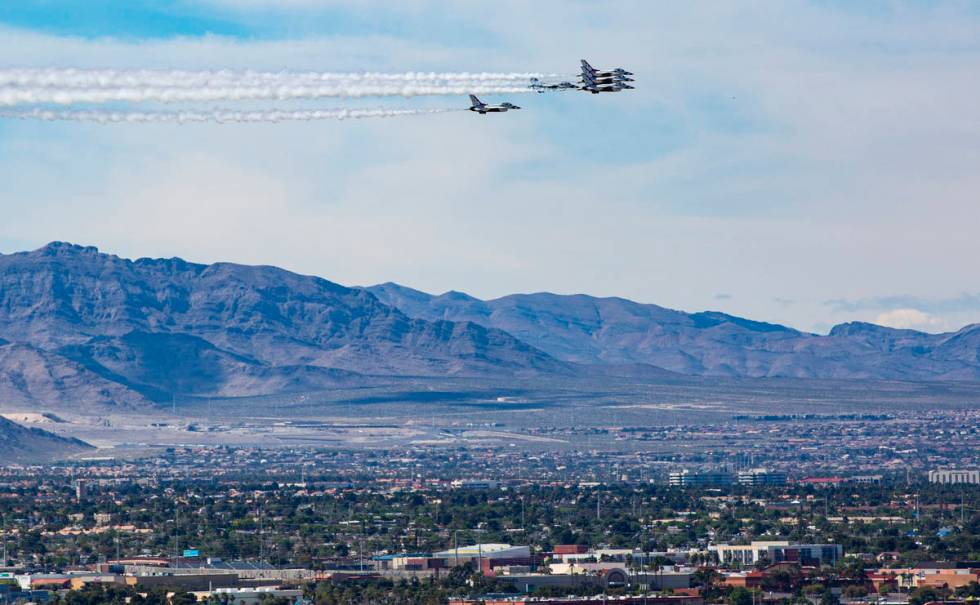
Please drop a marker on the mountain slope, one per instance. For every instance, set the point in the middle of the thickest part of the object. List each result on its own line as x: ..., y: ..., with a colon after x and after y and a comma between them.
x: 586, y: 329
x: 146, y: 329
x: 19, y: 444
x: 29, y: 375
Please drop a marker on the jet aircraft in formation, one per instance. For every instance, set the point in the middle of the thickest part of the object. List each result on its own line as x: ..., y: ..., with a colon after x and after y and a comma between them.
x: 590, y: 80
x: 595, y: 81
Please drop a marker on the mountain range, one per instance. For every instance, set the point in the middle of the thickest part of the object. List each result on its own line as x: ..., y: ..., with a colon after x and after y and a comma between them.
x: 78, y: 326
x: 589, y: 330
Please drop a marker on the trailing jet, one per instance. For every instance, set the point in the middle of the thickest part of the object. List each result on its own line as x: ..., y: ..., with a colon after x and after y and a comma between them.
x: 537, y: 85
x: 483, y: 109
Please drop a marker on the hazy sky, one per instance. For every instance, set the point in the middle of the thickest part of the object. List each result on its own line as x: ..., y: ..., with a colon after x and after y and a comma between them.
x: 802, y: 163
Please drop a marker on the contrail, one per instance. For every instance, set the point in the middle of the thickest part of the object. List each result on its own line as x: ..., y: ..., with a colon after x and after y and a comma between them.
x: 271, y: 92
x: 221, y: 116
x: 80, y: 78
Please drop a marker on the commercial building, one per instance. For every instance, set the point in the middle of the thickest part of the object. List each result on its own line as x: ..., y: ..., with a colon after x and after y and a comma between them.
x: 946, y: 574
x: 811, y: 555
x: 686, y: 478
x: 477, y: 484
x: 614, y: 567
x: 412, y: 562
x: 760, y: 476
x: 251, y: 596
x: 950, y: 476
x: 245, y: 570
x: 620, y: 600
x: 490, y: 559
x: 752, y: 476
x: 777, y: 552
x: 579, y: 554
x: 744, y: 554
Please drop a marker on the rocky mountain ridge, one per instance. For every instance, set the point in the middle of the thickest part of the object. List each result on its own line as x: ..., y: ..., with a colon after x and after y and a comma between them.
x: 591, y: 330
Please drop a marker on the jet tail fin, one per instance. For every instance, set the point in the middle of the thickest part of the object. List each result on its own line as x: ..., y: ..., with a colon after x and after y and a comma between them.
x: 475, y: 101
x: 586, y: 67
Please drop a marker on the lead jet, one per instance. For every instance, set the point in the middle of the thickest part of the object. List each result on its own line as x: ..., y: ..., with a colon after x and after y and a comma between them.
x: 614, y: 73
x: 483, y: 109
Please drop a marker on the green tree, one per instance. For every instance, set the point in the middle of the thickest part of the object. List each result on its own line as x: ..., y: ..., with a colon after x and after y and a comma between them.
x: 740, y: 596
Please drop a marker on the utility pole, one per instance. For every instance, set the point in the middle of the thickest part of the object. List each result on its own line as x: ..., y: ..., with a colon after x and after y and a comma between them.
x: 177, y: 535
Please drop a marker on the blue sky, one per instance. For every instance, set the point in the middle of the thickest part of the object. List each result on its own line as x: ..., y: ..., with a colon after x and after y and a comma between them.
x: 136, y: 20
x: 129, y: 20
x: 800, y: 162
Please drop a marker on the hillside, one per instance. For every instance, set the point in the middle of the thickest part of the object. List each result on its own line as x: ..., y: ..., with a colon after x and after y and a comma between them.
x: 22, y: 445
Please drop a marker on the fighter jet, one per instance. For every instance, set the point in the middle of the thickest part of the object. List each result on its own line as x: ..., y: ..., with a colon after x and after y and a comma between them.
x: 483, y: 109
x: 606, y: 79
x: 619, y: 71
x: 594, y: 89
x: 537, y: 85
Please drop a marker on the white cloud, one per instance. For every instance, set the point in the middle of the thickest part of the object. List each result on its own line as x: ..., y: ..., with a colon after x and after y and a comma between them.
x: 911, y: 319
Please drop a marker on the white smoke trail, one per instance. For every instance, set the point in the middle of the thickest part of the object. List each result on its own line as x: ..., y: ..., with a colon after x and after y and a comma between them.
x: 221, y: 116
x: 70, y: 96
x: 80, y: 78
